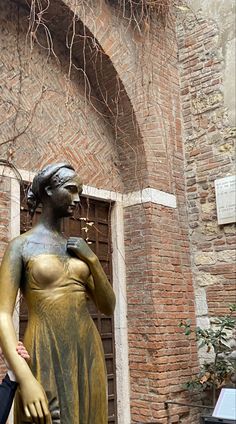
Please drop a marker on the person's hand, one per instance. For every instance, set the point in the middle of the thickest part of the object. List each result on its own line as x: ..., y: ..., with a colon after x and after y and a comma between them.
x: 21, y: 350
x: 80, y: 248
x: 35, y: 402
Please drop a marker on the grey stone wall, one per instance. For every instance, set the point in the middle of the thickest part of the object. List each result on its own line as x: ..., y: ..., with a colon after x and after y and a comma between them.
x: 206, y: 35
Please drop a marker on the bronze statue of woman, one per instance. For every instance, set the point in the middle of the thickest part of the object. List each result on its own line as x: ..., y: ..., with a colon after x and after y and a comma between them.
x: 65, y: 382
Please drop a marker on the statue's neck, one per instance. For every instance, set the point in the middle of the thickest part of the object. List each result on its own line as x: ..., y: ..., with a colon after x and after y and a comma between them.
x: 50, y: 221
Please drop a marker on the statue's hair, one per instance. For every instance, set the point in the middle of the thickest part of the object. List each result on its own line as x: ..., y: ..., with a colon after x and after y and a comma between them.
x: 49, y: 175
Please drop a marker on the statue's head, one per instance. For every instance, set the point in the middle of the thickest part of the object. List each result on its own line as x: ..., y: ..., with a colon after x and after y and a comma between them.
x: 56, y: 185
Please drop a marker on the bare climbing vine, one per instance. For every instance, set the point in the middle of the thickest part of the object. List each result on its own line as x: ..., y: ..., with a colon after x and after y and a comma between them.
x: 139, y: 16
x: 139, y: 13
x: 142, y: 12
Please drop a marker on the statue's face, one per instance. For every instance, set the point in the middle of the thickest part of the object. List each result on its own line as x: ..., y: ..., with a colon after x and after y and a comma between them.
x: 66, y: 196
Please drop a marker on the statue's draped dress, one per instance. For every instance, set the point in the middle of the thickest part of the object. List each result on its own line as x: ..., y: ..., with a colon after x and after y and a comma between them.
x: 65, y: 347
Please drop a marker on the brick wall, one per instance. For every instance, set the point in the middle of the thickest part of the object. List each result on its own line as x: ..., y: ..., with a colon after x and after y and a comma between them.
x: 160, y: 295
x: 147, y: 68
x: 139, y: 147
x: 209, y: 141
x: 73, y: 129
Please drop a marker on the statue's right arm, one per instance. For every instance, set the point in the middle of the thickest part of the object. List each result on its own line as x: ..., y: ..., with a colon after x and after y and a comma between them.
x: 33, y: 396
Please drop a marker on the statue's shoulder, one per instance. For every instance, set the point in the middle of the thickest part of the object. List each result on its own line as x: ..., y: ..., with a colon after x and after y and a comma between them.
x: 19, y: 242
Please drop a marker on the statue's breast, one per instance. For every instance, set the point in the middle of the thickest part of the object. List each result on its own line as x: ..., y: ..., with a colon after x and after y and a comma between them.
x: 77, y: 269
x: 46, y: 270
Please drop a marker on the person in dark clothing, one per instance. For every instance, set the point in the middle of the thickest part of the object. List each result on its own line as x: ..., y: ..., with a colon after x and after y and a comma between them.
x: 9, y: 385
x: 7, y: 393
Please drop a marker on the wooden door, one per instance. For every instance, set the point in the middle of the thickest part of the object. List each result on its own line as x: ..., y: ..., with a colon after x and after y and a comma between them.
x: 92, y: 222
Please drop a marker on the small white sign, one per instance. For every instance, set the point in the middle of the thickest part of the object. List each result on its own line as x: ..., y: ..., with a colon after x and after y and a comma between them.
x: 226, y: 405
x: 226, y: 199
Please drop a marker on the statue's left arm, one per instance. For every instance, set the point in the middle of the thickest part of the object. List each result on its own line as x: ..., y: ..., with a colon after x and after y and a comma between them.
x: 34, y: 400
x: 101, y: 291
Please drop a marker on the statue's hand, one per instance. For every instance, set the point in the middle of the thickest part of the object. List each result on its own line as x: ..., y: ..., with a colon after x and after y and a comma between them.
x: 80, y: 248
x: 35, y: 402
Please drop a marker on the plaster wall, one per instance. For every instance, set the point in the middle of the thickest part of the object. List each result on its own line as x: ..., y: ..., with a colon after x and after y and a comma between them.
x: 223, y: 13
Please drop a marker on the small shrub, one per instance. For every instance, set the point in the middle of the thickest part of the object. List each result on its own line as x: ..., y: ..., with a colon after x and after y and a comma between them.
x: 218, y: 373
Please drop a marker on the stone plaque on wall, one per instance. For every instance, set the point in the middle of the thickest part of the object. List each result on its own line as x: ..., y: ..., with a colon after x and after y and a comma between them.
x: 226, y: 199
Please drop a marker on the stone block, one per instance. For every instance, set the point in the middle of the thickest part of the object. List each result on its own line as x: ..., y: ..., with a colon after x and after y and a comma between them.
x: 204, y: 103
x: 204, y: 279
x: 205, y: 258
